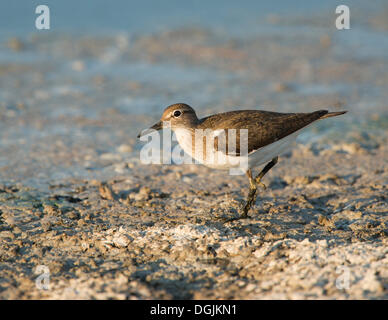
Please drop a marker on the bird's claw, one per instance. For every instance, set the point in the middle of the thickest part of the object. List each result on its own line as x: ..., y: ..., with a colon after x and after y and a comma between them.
x: 258, y: 182
x: 263, y: 185
x: 226, y: 220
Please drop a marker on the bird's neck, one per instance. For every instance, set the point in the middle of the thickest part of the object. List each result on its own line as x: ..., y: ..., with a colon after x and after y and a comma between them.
x: 185, y: 139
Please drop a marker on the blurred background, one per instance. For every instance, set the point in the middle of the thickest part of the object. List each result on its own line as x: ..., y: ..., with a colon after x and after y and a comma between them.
x: 73, y: 98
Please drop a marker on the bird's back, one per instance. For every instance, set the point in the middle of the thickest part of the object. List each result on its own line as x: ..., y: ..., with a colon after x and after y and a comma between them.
x: 264, y: 127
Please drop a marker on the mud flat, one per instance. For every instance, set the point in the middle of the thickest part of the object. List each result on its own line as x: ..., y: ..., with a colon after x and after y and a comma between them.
x: 75, y: 198
x: 154, y: 233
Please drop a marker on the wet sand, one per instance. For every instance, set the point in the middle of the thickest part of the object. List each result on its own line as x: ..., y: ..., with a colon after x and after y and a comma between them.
x: 75, y: 198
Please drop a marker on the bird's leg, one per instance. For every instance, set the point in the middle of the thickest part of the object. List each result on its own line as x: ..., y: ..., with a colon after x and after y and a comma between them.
x: 262, y: 173
x: 253, y: 182
x: 251, y: 195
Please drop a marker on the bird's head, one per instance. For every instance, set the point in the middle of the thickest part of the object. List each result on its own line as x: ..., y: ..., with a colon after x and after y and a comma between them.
x: 178, y: 115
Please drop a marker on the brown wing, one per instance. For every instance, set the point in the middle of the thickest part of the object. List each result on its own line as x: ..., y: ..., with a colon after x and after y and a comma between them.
x: 264, y: 127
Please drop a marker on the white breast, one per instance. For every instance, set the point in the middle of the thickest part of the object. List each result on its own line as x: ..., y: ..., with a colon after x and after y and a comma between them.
x: 219, y: 160
x: 184, y: 138
x: 208, y: 157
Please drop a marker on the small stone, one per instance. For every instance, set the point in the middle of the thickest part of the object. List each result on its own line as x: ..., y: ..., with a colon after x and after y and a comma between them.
x: 121, y: 240
x: 106, y: 192
x: 323, y: 221
x: 143, y: 194
x: 15, y: 44
x: 17, y: 230
x: 78, y: 65
x: 7, y: 234
x: 124, y: 148
x: 72, y: 215
x: 282, y: 87
x: 187, y: 179
x: 51, y: 210
x: 110, y: 157
x: 94, y: 182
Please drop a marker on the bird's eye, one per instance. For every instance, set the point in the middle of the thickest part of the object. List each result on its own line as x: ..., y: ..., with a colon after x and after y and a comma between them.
x: 177, y: 113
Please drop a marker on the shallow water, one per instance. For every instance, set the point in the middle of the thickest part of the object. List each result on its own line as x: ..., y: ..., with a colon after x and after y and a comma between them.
x: 102, y: 74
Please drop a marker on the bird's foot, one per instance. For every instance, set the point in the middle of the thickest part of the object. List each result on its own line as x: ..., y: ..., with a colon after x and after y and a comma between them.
x: 242, y: 213
x: 245, y: 209
x: 258, y: 182
x: 226, y: 220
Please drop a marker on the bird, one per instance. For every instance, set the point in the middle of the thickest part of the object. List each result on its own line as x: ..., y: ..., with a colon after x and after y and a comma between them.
x: 259, y: 136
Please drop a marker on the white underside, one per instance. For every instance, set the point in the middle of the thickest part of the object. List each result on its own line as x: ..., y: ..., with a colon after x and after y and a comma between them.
x: 219, y: 160
x: 267, y: 153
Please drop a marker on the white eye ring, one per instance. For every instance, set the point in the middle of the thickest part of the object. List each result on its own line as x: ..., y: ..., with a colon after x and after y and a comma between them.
x: 177, y: 113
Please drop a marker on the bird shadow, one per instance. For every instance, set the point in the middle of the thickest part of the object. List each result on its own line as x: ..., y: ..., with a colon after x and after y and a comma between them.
x: 300, y: 217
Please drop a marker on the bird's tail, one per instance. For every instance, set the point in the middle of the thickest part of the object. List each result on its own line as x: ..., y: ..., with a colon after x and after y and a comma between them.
x: 332, y: 114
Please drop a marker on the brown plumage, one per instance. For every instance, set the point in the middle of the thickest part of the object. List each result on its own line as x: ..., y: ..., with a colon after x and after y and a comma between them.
x: 264, y: 127
x: 269, y: 135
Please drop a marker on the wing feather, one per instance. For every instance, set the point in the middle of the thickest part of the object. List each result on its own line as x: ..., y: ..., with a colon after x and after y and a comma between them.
x: 264, y: 127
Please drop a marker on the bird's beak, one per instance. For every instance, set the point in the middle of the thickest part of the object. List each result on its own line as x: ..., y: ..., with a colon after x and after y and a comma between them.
x: 157, y: 126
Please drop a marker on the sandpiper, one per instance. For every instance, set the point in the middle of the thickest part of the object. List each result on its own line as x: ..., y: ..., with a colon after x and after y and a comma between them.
x: 269, y: 134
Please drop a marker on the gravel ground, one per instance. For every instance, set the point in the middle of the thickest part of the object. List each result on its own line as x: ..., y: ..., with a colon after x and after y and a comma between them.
x: 158, y: 234
x: 75, y: 199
